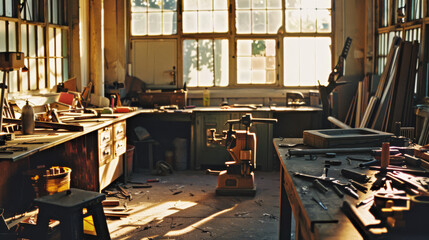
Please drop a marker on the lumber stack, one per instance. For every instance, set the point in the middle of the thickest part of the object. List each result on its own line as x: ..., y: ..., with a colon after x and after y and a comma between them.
x: 393, y: 100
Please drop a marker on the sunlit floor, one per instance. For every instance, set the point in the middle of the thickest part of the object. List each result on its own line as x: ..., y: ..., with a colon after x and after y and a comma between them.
x: 184, y: 206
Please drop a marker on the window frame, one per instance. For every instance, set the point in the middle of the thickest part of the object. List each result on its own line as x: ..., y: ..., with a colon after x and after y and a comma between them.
x: 41, y: 19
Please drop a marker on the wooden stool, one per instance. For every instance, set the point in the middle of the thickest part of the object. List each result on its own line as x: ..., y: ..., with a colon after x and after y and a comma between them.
x: 67, y: 207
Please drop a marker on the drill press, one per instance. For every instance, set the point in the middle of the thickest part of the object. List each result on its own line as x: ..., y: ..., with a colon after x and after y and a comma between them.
x: 238, y: 178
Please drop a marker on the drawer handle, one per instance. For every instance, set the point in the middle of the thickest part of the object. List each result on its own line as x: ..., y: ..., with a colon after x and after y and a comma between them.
x: 119, y: 145
x: 106, y: 138
x: 106, y: 152
x: 120, y: 131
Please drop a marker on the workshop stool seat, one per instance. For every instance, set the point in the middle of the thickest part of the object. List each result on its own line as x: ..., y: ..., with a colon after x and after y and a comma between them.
x: 67, y: 207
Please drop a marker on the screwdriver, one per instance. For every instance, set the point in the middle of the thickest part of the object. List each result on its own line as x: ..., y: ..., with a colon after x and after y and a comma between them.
x: 320, y: 203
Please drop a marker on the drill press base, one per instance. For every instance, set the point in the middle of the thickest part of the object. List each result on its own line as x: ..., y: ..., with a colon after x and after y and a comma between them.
x: 235, y: 184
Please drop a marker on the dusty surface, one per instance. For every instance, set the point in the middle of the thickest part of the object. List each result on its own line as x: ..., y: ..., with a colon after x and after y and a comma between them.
x: 184, y: 206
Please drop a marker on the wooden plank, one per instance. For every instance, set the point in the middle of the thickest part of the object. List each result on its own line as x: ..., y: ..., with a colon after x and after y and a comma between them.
x: 359, y: 104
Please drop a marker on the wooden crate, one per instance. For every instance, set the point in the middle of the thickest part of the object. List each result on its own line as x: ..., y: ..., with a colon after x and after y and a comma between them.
x: 354, y: 137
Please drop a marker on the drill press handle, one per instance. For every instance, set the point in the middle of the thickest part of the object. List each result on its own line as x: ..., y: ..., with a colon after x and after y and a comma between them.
x: 247, y: 120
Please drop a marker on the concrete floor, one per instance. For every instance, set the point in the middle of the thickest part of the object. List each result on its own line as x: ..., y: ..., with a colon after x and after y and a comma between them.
x: 183, y: 205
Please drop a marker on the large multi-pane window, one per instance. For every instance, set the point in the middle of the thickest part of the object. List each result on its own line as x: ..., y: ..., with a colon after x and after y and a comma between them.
x: 47, y: 61
x: 243, y: 42
x: 205, y: 16
x: 153, y: 17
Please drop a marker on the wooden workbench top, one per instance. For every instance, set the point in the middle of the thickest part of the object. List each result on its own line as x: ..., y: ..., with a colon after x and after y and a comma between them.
x: 43, y: 139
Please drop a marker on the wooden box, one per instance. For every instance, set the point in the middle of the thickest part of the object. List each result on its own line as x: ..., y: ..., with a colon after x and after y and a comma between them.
x: 338, y: 138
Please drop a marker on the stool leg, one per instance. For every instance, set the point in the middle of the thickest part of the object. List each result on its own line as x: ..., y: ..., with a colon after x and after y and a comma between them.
x: 42, y: 225
x: 72, y: 226
x: 99, y: 222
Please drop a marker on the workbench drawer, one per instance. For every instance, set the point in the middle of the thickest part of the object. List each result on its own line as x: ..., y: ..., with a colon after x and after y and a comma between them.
x: 119, y: 130
x: 105, y: 135
x: 120, y: 147
x: 105, y: 154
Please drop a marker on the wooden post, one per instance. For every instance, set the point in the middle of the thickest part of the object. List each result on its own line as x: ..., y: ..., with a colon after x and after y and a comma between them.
x: 96, y: 45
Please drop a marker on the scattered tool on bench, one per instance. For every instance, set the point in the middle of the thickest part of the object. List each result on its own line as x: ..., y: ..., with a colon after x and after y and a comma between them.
x: 346, y: 187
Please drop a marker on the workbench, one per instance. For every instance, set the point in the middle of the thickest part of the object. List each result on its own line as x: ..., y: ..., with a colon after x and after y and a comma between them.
x: 95, y: 155
x: 296, y: 197
x: 311, y: 219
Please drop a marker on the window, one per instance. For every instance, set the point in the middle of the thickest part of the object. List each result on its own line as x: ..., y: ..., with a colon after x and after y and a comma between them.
x: 205, y: 62
x: 307, y: 59
x: 153, y: 17
x: 256, y: 61
x: 241, y: 42
x: 258, y: 17
x: 205, y: 16
x: 47, y: 63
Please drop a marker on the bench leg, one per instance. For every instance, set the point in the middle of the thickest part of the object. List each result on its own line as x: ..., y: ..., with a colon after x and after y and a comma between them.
x: 99, y: 222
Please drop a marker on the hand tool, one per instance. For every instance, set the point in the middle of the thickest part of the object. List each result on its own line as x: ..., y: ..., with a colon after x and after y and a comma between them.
x: 361, y: 159
x: 238, y: 178
x: 320, y: 203
x: 346, y: 187
x: 360, y: 177
x: 317, y: 184
x: 358, y: 186
x: 301, y: 152
x: 404, y: 170
x: 333, y: 162
x: 365, y: 201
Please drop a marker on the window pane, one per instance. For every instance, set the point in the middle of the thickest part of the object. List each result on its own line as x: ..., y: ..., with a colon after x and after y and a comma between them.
x: 154, y: 5
x: 274, y: 21
x: 8, y: 6
x: 170, y: 23
x: 205, y: 21
x: 293, y: 21
x: 1, y: 10
x: 138, y: 6
x: 3, y: 36
x: 308, y: 3
x: 266, y: 16
x: 205, y: 64
x: 139, y: 24
x: 259, y: 22
x: 58, y: 43
x: 205, y: 4
x: 308, y: 21
x: 243, y: 21
x: 323, y: 3
x: 190, y: 22
x: 210, y: 68
x: 153, y: 17
x: 323, y: 21
x: 52, y: 75
x: 154, y: 26
x: 32, y: 39
x: 12, y: 37
x: 293, y: 3
x: 59, y: 71
x: 190, y: 62
x: 220, y: 5
x: 220, y: 20
x: 190, y: 5
x: 274, y: 4
x: 259, y: 4
x: 33, y: 74
x: 40, y: 42
x: 170, y: 5
x: 24, y: 47
x: 42, y: 75
x: 253, y: 62
x: 298, y: 70
x: 243, y: 4
x: 221, y: 60
x: 51, y: 42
